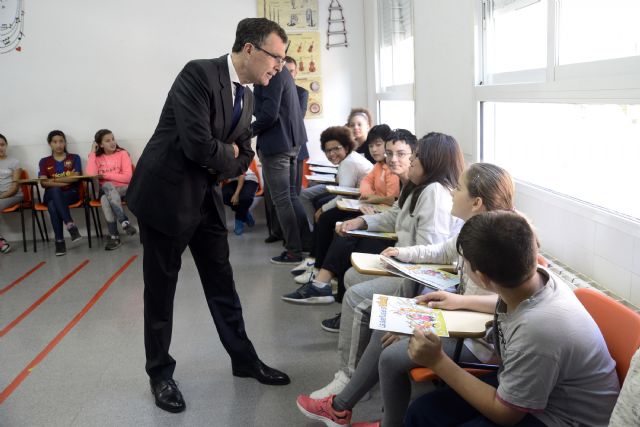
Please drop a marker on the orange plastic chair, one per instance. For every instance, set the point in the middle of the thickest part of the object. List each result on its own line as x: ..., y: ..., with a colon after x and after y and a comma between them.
x: 81, y: 203
x: 619, y: 325
x: 305, y: 171
x: 254, y: 167
x: 26, y: 203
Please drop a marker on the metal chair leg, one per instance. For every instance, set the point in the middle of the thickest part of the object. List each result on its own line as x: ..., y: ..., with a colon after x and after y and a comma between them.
x: 24, y: 233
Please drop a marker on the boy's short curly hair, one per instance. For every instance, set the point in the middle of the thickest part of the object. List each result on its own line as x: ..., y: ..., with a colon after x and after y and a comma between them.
x: 342, y: 134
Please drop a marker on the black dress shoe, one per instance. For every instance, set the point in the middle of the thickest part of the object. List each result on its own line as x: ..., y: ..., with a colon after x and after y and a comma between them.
x: 168, y: 396
x: 262, y: 373
x: 272, y: 239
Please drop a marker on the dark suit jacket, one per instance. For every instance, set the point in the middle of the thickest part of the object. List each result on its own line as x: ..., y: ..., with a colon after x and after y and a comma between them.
x: 279, y: 122
x: 303, y: 98
x: 190, y: 149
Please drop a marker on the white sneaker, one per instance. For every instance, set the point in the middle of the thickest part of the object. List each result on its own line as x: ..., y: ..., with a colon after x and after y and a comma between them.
x: 338, y: 384
x: 334, y: 286
x: 306, y: 276
x: 306, y: 265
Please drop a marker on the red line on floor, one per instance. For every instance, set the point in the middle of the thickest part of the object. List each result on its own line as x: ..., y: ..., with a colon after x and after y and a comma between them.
x: 21, y: 278
x: 40, y: 357
x: 42, y: 299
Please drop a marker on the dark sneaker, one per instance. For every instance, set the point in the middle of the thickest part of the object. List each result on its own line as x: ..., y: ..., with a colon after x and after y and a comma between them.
x: 61, y: 248
x: 332, y: 324
x: 113, y: 243
x: 128, y: 228
x: 272, y: 239
x: 75, y: 233
x: 286, y: 258
x: 309, y: 294
x: 250, y: 221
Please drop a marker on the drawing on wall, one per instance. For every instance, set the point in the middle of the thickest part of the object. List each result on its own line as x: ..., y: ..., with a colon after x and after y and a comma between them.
x: 11, y: 25
x: 305, y: 49
x: 292, y: 15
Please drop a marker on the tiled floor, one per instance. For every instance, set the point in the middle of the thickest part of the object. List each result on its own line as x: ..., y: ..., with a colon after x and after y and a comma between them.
x: 95, y: 374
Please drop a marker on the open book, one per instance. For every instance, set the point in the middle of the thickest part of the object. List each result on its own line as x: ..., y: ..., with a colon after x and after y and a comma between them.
x: 403, y: 315
x: 424, y: 274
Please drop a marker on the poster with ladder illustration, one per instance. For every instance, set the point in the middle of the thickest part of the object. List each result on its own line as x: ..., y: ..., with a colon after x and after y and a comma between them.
x: 292, y: 15
x: 336, y: 28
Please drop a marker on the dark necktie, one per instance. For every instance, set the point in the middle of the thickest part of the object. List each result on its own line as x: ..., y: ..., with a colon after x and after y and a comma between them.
x: 237, y: 105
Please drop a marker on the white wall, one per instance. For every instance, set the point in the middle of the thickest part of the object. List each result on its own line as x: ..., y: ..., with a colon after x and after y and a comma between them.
x: 87, y: 65
x: 598, y: 244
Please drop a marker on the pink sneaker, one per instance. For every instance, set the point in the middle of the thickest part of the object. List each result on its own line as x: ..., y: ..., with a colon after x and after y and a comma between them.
x: 321, y: 410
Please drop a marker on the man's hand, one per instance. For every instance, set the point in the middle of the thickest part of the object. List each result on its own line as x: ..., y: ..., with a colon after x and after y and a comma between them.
x: 389, y: 338
x: 235, y: 199
x: 441, y: 299
x: 390, y: 252
x: 236, y: 150
x: 352, y: 224
x: 425, y: 348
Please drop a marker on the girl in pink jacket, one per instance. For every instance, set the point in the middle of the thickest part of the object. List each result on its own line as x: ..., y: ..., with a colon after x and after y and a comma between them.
x: 114, y: 165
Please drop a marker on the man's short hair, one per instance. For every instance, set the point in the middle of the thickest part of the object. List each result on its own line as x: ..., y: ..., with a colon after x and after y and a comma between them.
x: 290, y: 60
x: 256, y: 31
x: 500, y: 244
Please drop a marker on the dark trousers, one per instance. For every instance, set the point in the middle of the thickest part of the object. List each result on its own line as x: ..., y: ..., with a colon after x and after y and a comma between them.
x: 299, y: 173
x: 247, y: 193
x: 279, y: 172
x: 161, y: 264
x: 338, y: 258
x: 324, y: 232
x: 58, y: 202
x: 446, y: 408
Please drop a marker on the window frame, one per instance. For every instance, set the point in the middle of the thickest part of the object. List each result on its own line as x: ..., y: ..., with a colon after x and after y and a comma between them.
x: 608, y: 81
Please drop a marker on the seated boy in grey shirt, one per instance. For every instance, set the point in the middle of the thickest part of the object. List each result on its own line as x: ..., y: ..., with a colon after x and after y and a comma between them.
x: 555, y: 368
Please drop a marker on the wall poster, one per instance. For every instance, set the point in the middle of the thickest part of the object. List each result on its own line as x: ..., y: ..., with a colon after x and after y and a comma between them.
x: 11, y: 25
x: 292, y: 15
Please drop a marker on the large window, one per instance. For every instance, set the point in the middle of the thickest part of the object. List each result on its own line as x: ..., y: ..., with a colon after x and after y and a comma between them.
x: 566, y: 119
x: 395, y: 66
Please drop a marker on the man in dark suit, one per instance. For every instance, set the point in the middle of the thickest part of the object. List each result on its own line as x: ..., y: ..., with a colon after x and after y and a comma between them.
x: 279, y: 126
x: 203, y: 136
x: 275, y: 233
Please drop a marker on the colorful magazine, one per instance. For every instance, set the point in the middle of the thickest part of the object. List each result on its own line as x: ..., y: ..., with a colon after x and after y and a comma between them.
x: 403, y: 315
x: 424, y: 274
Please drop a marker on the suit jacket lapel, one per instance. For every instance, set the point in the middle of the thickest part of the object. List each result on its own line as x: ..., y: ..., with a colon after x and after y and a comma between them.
x: 225, y: 93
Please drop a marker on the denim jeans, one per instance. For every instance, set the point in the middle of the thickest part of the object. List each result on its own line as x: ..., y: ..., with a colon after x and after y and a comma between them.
x: 111, y: 201
x: 58, y: 202
x: 279, y: 172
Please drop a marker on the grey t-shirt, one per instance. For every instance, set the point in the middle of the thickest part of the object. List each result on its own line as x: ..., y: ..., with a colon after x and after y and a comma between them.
x: 555, y: 363
x: 7, y: 169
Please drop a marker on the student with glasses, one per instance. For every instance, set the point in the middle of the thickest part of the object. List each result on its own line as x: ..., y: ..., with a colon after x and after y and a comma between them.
x: 338, y: 145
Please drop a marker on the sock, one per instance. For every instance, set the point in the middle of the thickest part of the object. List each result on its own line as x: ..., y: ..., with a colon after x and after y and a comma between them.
x: 70, y: 225
x: 320, y: 285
